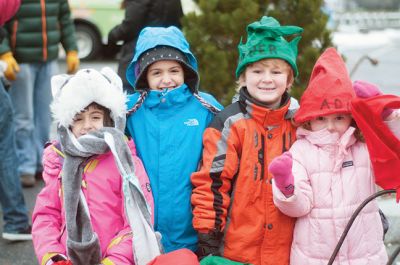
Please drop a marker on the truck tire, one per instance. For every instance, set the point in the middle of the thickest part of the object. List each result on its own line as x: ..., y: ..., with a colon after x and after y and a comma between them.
x: 88, y: 41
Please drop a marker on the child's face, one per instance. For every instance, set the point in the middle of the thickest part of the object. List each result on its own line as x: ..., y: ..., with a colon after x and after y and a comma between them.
x: 267, y: 80
x: 165, y: 74
x: 87, y: 121
x: 338, y: 123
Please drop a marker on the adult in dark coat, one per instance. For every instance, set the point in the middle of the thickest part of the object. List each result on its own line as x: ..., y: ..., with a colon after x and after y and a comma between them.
x: 140, y: 14
x: 15, y: 215
x: 30, y: 50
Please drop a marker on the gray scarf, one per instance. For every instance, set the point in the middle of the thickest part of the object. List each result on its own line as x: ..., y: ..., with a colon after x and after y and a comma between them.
x: 83, y: 246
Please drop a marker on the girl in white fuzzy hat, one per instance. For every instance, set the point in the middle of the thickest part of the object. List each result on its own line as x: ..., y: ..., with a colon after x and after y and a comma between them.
x: 97, y: 202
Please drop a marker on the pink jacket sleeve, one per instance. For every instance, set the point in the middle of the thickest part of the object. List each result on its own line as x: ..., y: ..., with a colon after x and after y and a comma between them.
x: 47, y: 224
x: 120, y: 249
x: 301, y: 202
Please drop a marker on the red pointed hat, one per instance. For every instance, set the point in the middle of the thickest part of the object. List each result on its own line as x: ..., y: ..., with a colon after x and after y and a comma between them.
x: 329, y: 90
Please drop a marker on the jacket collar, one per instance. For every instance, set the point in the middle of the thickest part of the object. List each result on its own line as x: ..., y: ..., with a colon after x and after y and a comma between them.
x: 168, y: 99
x: 261, y: 113
x: 337, y: 146
x: 323, y: 137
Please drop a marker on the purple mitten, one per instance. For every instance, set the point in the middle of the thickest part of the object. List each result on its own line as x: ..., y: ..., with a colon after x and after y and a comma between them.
x: 281, y: 169
x: 366, y: 90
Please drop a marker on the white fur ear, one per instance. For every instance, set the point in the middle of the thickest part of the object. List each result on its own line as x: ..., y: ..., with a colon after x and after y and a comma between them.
x: 57, y: 82
x: 113, y: 77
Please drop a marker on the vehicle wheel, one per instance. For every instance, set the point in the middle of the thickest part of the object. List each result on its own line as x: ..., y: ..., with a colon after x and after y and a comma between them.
x: 88, y: 41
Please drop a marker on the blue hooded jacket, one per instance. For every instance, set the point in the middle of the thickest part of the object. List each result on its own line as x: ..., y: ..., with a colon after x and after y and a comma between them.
x: 168, y: 129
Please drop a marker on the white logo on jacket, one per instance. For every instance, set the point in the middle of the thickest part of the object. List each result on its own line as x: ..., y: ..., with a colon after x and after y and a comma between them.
x: 192, y: 122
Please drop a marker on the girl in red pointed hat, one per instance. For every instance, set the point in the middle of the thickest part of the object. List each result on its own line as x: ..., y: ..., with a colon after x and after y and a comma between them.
x: 327, y: 173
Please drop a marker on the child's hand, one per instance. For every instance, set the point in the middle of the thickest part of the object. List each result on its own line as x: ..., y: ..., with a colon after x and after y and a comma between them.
x: 367, y: 90
x: 281, y: 169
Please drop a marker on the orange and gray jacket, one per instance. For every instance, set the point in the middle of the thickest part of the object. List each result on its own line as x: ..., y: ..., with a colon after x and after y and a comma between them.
x: 36, y: 30
x: 233, y: 191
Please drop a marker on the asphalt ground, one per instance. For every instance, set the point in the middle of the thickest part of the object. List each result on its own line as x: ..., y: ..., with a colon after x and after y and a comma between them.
x: 20, y: 253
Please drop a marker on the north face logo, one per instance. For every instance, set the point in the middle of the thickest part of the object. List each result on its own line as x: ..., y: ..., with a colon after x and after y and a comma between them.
x: 192, y: 122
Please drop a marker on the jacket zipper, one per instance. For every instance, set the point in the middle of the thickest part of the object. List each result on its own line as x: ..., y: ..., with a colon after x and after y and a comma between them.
x: 44, y: 29
x: 14, y: 35
x: 261, y: 156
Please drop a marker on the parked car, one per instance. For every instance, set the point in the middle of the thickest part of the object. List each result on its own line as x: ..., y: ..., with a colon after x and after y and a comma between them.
x: 93, y: 20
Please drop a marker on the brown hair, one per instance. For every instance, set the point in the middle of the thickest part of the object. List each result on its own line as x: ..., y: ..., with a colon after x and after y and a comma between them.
x: 108, y: 121
x: 357, y: 133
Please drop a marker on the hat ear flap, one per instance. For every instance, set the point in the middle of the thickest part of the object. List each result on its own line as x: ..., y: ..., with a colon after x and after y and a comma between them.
x: 294, y: 44
x: 113, y: 77
x: 57, y: 82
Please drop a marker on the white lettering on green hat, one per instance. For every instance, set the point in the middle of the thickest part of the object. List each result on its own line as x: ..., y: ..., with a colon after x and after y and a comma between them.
x: 265, y: 39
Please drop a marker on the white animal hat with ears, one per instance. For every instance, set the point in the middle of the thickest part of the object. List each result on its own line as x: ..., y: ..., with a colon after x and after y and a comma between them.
x: 73, y: 93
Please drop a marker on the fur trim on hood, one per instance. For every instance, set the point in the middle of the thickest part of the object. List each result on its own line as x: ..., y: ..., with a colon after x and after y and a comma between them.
x: 72, y: 94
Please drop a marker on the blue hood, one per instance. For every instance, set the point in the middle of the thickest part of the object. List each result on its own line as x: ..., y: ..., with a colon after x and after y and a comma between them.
x: 151, y: 37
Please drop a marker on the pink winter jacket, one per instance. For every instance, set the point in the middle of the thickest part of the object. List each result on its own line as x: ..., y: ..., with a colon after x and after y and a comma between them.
x: 102, y: 187
x: 332, y: 177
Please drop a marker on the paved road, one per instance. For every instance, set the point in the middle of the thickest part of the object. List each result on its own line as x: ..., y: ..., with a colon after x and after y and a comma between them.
x: 20, y: 253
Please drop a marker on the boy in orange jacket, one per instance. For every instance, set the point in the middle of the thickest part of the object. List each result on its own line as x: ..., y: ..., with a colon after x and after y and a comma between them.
x: 234, y: 214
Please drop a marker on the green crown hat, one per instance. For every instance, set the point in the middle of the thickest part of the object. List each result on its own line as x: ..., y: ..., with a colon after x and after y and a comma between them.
x: 265, y: 39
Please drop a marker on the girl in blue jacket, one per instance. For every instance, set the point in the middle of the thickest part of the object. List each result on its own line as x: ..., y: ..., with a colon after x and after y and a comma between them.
x: 167, y: 116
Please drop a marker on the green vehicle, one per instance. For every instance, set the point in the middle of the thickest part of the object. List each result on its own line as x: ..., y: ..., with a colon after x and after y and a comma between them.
x: 93, y: 20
